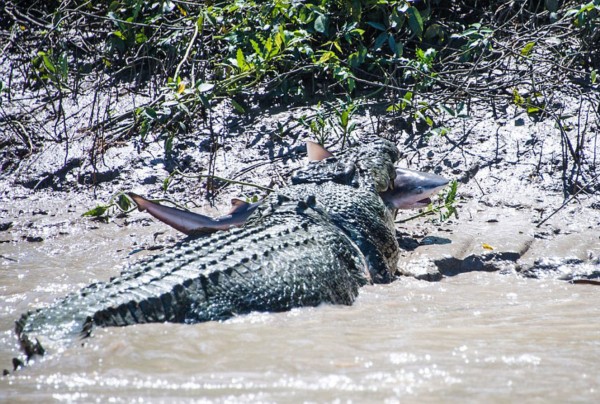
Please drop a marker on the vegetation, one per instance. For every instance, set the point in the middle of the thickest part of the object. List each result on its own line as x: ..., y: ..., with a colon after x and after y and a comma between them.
x: 419, y: 62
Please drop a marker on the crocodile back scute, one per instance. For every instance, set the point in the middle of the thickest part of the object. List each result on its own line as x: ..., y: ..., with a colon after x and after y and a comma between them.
x: 363, y: 217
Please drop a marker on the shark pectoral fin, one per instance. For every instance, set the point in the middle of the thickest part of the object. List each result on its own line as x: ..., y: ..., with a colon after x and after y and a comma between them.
x: 241, y: 208
x: 239, y: 213
x: 316, y: 152
x: 184, y: 221
x: 237, y: 205
x: 141, y: 202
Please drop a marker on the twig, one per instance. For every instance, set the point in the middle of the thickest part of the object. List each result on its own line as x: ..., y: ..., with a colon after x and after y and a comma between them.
x: 215, y: 177
x: 187, y: 51
x: 424, y: 213
x: 568, y: 200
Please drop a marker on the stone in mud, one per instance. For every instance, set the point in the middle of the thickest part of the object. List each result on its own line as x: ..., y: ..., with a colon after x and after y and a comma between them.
x: 563, y: 268
x: 423, y: 269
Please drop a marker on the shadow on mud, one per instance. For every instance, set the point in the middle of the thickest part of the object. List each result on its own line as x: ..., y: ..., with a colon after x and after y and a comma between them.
x: 409, y: 243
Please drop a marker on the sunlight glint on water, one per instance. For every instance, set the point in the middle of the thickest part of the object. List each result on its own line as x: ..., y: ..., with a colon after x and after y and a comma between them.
x: 480, y: 336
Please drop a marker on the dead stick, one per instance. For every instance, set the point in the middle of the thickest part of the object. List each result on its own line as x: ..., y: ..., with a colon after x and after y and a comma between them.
x: 568, y: 200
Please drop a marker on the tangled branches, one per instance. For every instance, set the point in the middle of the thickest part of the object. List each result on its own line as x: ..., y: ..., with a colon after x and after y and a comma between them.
x: 117, y: 69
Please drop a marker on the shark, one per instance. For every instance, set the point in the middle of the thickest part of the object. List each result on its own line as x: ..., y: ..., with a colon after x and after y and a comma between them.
x: 411, y: 189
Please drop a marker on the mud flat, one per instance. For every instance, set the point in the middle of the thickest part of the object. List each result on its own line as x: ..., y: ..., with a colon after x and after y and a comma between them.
x: 510, y: 217
x: 510, y: 184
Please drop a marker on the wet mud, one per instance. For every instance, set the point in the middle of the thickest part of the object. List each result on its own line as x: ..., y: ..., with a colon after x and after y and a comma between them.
x: 510, y: 222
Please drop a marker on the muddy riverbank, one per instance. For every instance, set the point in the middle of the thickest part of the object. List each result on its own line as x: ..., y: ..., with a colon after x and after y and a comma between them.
x: 200, y: 104
x: 484, y: 335
x: 487, y: 304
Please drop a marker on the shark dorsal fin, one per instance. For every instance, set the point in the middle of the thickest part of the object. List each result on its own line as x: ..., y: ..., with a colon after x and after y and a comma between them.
x: 316, y: 152
x: 237, y: 205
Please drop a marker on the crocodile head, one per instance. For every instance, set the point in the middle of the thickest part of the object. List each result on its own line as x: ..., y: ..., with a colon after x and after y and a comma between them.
x: 409, y: 189
x: 368, y: 166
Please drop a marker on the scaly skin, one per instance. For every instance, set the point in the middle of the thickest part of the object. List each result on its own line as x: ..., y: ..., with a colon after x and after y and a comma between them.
x: 314, y: 242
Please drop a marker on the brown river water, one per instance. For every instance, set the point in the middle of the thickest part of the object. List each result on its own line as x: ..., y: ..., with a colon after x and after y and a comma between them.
x: 479, y: 337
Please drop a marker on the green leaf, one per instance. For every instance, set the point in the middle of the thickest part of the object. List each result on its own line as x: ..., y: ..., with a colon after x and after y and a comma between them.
x: 406, y: 100
x: 241, y: 60
x: 322, y: 24
x: 449, y: 202
x: 279, y: 37
x: 63, y: 64
x: 399, y: 49
x: 140, y: 38
x: 256, y: 48
x: 120, y: 35
x: 381, y: 38
x: 527, y: 49
x: 344, y: 118
x: 97, y: 211
x: 415, y: 22
x: 392, y: 43
x: 150, y: 113
x: 124, y: 203
x: 205, y: 87
x: 269, y: 48
x: 517, y: 98
x: 397, y: 20
x: 168, y: 144
x: 376, y: 25
x: 237, y: 106
x: 440, y: 131
x: 420, y: 54
x: 593, y: 76
x: 351, y: 84
x: 451, y: 196
x: 449, y: 110
x: 48, y: 63
x: 337, y: 46
x: 204, y: 100
x: 166, y: 183
x: 394, y: 108
x: 358, y: 58
x: 326, y: 56
x: 212, y: 19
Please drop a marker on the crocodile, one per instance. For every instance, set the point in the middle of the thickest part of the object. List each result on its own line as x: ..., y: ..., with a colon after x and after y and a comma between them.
x: 315, y: 241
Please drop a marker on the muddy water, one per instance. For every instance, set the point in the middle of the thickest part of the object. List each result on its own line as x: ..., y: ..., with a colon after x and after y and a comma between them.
x: 483, y: 337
